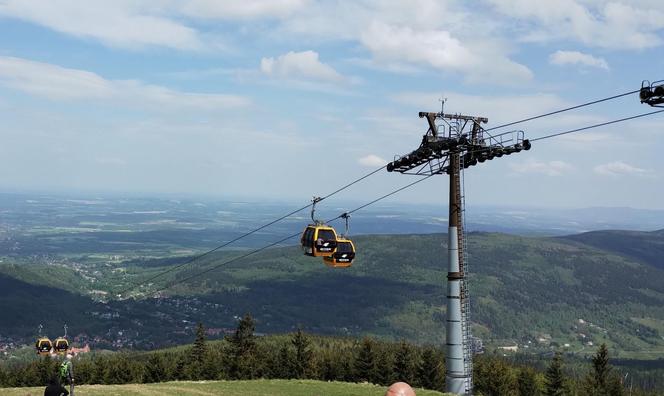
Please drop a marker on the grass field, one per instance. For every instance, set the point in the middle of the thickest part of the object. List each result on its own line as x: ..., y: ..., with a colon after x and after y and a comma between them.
x: 228, y: 388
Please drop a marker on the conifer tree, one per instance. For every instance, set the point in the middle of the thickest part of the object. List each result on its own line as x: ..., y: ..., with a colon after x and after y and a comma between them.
x: 384, y: 367
x: 243, y: 347
x: 179, y: 370
x: 211, y: 365
x: 45, y: 369
x: 303, y: 354
x: 199, y: 349
x: 285, y: 362
x: 494, y: 377
x: 118, y: 370
x: 404, y: 366
x: 527, y: 382
x: 99, y: 369
x: 4, y: 378
x: 29, y: 376
x: 347, y: 370
x: 155, y: 369
x: 555, y: 380
x: 197, y: 354
x: 365, y: 363
x: 601, y: 379
x: 430, y: 370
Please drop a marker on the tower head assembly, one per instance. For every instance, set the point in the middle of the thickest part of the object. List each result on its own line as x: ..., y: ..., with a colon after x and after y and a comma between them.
x: 652, y: 93
x: 456, y: 134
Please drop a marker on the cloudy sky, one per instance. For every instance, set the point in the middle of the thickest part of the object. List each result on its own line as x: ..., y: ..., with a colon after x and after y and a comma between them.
x: 284, y: 99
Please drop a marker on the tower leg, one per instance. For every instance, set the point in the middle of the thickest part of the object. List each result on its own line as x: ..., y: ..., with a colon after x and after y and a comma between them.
x: 455, y: 375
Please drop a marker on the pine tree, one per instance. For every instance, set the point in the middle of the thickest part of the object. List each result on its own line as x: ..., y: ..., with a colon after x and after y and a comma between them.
x: 243, y: 347
x: 211, y: 365
x: 99, y: 370
x: 4, y: 378
x: 84, y: 371
x: 384, y: 367
x: 303, y: 354
x: 155, y: 370
x: 199, y: 349
x: 430, y: 370
x: 179, y: 369
x: 117, y: 370
x: 285, y: 362
x: 46, y: 368
x: 527, y: 382
x: 555, y: 381
x: 404, y: 367
x: 601, y: 381
x: 365, y: 363
x: 30, y: 376
x: 197, y: 354
x: 494, y: 377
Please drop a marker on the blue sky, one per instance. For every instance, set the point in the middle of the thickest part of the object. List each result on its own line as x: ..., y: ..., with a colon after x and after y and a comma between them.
x: 285, y: 99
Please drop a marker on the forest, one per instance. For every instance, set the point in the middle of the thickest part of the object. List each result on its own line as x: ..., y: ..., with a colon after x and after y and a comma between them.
x: 244, y: 355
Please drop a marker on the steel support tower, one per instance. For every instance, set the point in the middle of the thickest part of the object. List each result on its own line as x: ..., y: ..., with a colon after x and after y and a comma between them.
x: 458, y: 142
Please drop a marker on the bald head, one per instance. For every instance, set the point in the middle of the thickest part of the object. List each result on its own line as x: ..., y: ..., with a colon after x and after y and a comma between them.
x: 400, y: 389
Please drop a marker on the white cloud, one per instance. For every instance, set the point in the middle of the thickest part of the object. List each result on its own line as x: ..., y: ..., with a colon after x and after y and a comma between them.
x: 372, y: 160
x: 116, y: 23
x: 617, y: 168
x: 139, y: 23
x: 230, y: 9
x: 550, y: 168
x: 434, y: 48
x: 439, y: 49
x: 299, y: 65
x: 596, y: 23
x: 562, y: 58
x: 59, y: 83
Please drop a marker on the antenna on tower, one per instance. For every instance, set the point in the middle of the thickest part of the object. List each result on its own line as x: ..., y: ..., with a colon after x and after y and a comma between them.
x: 442, y: 101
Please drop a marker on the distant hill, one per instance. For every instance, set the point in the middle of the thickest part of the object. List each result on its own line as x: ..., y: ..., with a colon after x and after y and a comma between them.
x: 558, y: 290
x: 647, y: 247
x: 523, y: 289
x: 24, y: 306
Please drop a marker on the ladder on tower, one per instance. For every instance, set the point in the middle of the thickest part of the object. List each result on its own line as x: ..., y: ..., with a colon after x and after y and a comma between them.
x: 466, y: 334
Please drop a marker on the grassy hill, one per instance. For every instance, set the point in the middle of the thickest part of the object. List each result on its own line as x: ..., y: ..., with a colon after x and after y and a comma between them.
x: 564, y: 290
x: 228, y: 388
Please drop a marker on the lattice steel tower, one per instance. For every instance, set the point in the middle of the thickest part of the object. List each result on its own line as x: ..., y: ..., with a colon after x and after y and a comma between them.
x: 448, y: 148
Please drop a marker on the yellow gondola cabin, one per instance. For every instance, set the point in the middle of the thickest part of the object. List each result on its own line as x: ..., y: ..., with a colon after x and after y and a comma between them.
x: 43, y: 346
x: 319, y: 240
x: 344, y: 255
x: 61, y: 345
